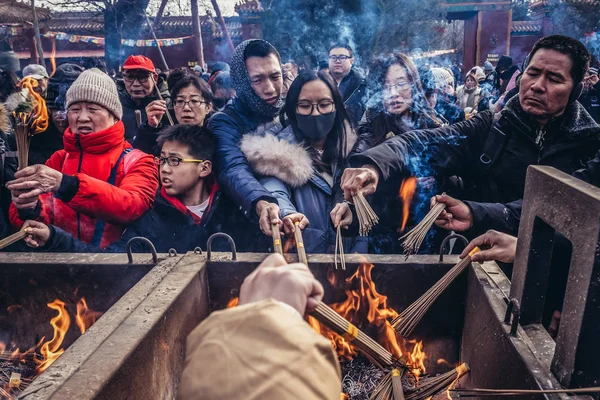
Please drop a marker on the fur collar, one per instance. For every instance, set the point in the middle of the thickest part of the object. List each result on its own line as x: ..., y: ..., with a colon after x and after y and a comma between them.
x: 274, y: 151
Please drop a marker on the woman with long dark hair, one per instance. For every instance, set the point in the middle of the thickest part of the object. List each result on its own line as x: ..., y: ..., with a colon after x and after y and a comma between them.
x: 301, y: 162
x: 397, y: 105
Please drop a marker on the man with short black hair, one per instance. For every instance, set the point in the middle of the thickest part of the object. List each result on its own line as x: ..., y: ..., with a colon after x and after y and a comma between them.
x: 351, y: 83
x: 137, y: 90
x: 258, y: 80
x: 543, y: 125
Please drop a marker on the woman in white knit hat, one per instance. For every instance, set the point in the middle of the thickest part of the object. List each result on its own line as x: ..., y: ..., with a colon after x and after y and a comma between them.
x: 98, y: 184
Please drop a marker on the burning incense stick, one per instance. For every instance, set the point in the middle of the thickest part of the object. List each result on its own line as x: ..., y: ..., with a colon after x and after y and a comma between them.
x: 414, y: 238
x: 406, y: 322
x: 367, y: 218
x: 14, y: 238
x: 339, y: 249
x: 161, y: 98
x: 398, y: 390
x: 472, y: 392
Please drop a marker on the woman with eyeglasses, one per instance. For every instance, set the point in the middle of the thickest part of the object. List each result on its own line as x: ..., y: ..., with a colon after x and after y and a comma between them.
x: 301, y: 164
x: 397, y: 106
x: 192, y: 103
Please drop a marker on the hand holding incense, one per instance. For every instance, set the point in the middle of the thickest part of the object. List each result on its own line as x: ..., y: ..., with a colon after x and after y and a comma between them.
x: 408, y: 319
x: 161, y: 98
x: 14, y: 238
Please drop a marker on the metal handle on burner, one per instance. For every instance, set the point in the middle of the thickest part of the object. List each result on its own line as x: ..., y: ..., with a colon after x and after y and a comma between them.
x: 513, y: 309
x: 223, y: 235
x: 143, y: 240
x: 447, y: 239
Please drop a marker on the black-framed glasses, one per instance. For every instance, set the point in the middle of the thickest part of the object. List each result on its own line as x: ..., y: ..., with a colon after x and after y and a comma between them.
x: 339, y: 58
x: 323, y: 107
x: 193, y: 103
x: 140, y: 78
x: 400, y: 86
x: 174, y: 161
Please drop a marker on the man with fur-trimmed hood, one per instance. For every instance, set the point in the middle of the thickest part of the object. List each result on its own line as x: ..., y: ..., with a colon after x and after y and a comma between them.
x: 258, y: 81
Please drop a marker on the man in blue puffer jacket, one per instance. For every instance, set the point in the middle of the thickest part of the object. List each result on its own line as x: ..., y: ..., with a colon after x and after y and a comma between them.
x: 257, y: 79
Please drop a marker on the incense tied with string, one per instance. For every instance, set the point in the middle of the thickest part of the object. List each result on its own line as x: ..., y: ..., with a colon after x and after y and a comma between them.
x: 408, y: 319
x: 30, y: 123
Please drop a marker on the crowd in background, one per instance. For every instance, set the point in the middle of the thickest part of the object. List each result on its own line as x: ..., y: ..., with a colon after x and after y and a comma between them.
x: 260, y: 142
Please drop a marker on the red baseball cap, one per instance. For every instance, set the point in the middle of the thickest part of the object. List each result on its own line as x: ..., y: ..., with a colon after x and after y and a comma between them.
x: 139, y: 62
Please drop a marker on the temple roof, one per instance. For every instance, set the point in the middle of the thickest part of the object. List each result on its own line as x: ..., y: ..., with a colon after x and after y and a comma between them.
x: 13, y: 11
x: 90, y: 24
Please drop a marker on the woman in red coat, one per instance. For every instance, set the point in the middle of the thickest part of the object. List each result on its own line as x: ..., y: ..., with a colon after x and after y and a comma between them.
x: 98, y: 184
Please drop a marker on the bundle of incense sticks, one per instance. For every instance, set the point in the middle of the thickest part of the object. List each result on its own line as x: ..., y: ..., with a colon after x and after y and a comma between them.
x: 339, y: 249
x: 14, y: 238
x: 161, y: 98
x: 367, y: 218
x: 334, y: 321
x: 390, y: 387
x: 408, y: 319
x: 22, y: 136
x: 413, y: 239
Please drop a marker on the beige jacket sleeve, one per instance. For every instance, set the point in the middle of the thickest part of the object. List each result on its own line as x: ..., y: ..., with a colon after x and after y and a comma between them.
x: 259, y: 351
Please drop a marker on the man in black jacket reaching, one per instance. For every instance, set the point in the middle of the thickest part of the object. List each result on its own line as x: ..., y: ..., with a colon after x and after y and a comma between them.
x: 188, y: 208
x: 543, y: 125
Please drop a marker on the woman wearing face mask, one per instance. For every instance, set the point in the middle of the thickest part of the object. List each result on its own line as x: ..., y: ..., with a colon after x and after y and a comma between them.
x: 397, y: 106
x: 302, y: 163
x: 192, y: 103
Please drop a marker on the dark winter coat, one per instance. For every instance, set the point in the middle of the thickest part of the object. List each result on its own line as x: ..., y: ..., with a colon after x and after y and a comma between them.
x: 130, y: 106
x: 374, y: 129
x: 286, y: 169
x: 354, y: 91
x: 591, y: 101
x: 234, y: 175
x: 170, y: 225
x: 146, y: 137
x: 490, y: 153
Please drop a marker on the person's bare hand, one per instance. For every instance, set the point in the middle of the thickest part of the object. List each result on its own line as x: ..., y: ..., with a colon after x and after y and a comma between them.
x: 341, y: 215
x: 268, y: 213
x: 292, y: 284
x: 495, y: 246
x: 37, y: 233
x: 364, y: 179
x: 33, y: 181
x: 289, y: 222
x: 457, y: 215
x: 155, y: 112
x: 23, y: 202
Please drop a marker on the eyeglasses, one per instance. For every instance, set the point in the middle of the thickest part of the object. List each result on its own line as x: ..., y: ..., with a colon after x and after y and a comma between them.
x: 339, y: 58
x: 194, y: 103
x: 139, y: 78
x: 174, y: 161
x: 400, y: 86
x: 323, y: 107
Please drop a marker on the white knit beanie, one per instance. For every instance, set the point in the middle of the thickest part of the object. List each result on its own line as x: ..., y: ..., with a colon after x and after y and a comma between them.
x: 94, y: 86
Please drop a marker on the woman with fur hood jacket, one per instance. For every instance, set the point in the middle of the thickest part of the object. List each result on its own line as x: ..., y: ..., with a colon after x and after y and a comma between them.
x: 302, y: 164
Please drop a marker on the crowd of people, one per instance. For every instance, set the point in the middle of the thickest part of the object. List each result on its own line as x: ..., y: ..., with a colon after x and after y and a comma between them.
x: 259, y: 143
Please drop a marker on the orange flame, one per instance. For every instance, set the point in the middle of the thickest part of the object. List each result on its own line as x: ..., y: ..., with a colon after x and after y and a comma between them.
x: 460, y: 370
x: 407, y: 191
x: 85, y: 317
x: 233, y: 302
x: 40, y: 111
x: 51, y: 350
x: 53, y: 56
x: 368, y: 310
